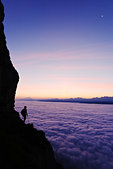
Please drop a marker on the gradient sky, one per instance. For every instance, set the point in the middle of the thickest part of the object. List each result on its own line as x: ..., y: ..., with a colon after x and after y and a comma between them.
x: 61, y: 48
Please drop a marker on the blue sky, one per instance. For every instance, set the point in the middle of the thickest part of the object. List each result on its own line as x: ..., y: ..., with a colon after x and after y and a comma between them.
x: 61, y: 48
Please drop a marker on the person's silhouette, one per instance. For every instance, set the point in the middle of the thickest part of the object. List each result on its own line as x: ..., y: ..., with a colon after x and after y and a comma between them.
x: 24, y: 113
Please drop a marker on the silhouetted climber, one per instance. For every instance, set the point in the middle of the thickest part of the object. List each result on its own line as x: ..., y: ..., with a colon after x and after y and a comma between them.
x: 24, y: 113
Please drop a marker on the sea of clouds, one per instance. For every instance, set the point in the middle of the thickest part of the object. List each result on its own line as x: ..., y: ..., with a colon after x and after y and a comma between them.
x: 81, y: 134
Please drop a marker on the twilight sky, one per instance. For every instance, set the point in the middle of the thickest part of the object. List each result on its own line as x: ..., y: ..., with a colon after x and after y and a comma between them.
x: 61, y: 48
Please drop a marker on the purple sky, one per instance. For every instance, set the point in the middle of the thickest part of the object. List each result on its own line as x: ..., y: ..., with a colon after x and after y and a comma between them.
x: 61, y: 48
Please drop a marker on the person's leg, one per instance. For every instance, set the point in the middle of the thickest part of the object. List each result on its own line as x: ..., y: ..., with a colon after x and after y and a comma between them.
x: 24, y: 118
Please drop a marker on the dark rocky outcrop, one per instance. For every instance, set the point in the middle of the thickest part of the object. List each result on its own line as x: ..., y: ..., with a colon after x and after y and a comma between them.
x: 8, y: 75
x: 21, y: 145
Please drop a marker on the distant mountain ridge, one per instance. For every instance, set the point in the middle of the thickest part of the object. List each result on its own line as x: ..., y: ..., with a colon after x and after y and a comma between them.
x: 96, y: 100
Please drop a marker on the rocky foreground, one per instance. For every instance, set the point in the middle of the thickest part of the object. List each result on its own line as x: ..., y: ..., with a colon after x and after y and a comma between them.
x: 22, y: 146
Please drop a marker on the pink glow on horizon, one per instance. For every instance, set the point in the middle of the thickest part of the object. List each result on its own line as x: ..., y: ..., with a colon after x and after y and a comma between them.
x: 62, y: 89
x: 76, y: 73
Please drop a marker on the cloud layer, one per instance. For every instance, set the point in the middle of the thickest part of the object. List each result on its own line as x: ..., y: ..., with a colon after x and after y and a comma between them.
x: 81, y: 134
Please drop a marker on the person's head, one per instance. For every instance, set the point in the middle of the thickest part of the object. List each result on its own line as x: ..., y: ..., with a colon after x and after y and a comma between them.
x: 25, y: 107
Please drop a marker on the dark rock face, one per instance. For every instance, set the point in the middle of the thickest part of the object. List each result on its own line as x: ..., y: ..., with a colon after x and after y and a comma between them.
x: 8, y: 75
x: 21, y: 145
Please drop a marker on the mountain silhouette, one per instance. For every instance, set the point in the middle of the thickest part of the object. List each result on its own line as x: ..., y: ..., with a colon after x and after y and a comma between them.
x: 21, y: 145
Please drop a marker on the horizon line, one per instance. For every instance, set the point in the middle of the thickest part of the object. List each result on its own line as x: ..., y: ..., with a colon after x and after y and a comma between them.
x: 17, y: 98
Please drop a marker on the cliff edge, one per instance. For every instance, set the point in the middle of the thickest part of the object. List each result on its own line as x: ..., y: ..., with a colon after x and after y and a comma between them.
x: 21, y: 145
x: 24, y: 147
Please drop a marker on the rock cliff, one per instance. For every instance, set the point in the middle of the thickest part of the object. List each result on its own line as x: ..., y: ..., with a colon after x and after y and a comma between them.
x: 21, y: 145
x: 8, y: 75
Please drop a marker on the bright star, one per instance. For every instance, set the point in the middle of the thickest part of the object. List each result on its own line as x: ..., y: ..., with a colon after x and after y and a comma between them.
x: 102, y: 16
